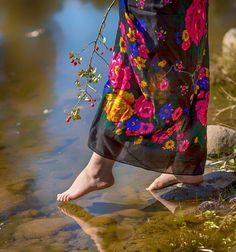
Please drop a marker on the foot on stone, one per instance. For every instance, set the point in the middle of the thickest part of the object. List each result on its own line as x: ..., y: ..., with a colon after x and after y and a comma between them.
x: 87, y: 181
x: 165, y: 180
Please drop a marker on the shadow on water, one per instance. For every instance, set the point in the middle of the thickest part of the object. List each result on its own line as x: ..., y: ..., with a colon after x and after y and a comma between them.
x: 40, y: 154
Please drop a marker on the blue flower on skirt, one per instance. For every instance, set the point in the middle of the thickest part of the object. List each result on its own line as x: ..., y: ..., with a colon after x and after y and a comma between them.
x: 141, y: 25
x: 186, y: 110
x: 132, y: 124
x: 122, y: 4
x: 178, y: 38
x: 166, y: 111
x: 106, y: 86
x: 203, y: 82
x: 134, y: 49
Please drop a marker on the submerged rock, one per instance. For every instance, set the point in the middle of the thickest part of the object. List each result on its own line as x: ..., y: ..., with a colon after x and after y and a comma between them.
x: 40, y: 228
x: 220, y: 140
x: 21, y: 186
x: 214, y: 183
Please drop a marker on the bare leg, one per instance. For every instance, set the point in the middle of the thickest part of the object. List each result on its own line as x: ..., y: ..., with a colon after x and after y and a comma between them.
x: 170, y: 179
x: 95, y: 176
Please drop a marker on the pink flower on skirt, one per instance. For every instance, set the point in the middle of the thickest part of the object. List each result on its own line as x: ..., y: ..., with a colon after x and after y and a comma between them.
x: 177, y: 113
x: 195, y: 20
x: 185, y: 45
x: 132, y: 132
x: 131, y: 60
x: 200, y: 95
x: 143, y: 51
x: 122, y: 29
x: 179, y: 136
x: 159, y: 137
x: 119, y: 74
x: 139, y: 37
x: 145, y: 128
x: 201, y: 73
x: 183, y: 145
x: 143, y: 107
x: 201, y: 108
x: 163, y: 85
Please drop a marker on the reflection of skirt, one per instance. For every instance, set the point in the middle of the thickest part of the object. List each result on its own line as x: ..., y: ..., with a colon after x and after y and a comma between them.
x: 153, y: 112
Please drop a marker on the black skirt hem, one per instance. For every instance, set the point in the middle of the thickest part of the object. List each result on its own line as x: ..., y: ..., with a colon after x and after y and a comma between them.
x: 140, y: 166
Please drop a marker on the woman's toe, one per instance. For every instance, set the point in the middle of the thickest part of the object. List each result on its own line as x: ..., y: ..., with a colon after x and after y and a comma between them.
x: 66, y: 197
x: 58, y: 197
x: 63, y: 197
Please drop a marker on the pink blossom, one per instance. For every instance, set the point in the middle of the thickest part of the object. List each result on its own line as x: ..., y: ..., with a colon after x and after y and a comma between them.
x: 183, y: 145
x: 201, y: 108
x: 143, y: 51
x: 143, y: 107
x: 177, y: 113
x: 195, y: 20
x: 119, y: 74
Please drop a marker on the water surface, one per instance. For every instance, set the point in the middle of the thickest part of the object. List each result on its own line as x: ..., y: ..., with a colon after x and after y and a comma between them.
x: 40, y: 153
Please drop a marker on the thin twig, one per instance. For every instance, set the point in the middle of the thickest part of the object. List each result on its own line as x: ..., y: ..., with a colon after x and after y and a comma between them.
x: 100, y: 31
x: 229, y: 95
x: 229, y: 79
x: 224, y: 109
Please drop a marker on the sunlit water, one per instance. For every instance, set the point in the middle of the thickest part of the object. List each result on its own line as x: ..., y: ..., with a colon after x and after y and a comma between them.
x: 40, y: 153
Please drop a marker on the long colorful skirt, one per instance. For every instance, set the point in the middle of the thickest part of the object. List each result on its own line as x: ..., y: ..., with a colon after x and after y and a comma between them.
x: 153, y: 111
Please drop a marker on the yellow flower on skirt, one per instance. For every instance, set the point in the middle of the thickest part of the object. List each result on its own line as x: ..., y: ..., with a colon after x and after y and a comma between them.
x: 131, y: 35
x: 185, y: 35
x: 170, y: 144
x: 123, y: 47
x: 140, y: 62
x: 118, y: 105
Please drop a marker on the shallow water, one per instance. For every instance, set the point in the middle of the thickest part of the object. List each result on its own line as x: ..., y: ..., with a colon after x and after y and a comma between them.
x: 39, y: 153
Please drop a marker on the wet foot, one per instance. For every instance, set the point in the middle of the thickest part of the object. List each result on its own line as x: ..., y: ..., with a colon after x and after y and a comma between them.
x: 165, y: 180
x: 96, y: 175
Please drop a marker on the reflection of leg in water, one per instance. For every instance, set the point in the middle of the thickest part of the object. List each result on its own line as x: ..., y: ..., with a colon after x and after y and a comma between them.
x: 85, y: 221
x: 171, y: 206
x: 171, y: 179
x: 95, y: 176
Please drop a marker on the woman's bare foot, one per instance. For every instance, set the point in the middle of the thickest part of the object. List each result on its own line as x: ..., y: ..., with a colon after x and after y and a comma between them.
x: 170, y: 179
x: 95, y: 176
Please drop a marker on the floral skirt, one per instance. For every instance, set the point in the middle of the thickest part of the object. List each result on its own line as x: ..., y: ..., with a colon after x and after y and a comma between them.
x: 153, y: 111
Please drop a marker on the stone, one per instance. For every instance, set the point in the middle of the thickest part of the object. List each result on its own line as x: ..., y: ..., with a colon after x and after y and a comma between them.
x: 214, y: 183
x: 231, y: 199
x: 220, y: 140
x: 211, y: 205
x: 40, y: 228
